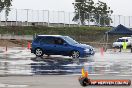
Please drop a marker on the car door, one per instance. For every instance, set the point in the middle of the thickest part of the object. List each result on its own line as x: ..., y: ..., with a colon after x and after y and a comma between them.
x: 48, y: 45
x: 61, y: 47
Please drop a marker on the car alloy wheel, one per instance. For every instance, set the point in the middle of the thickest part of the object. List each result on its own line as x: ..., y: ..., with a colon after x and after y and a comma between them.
x: 75, y: 54
x: 39, y: 52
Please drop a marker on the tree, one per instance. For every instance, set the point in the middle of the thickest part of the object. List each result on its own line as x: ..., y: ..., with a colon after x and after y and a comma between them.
x: 82, y: 10
x: 5, y: 4
x: 87, y: 10
x: 102, y: 14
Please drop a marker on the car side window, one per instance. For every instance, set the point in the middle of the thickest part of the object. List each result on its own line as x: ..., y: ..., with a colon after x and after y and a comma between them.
x: 37, y: 39
x: 59, y: 41
x: 48, y: 40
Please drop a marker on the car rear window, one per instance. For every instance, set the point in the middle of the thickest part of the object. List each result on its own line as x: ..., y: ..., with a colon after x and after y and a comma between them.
x: 48, y: 40
x: 122, y: 40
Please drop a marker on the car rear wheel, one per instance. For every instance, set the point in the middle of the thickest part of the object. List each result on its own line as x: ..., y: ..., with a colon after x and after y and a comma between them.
x: 75, y: 54
x: 39, y: 52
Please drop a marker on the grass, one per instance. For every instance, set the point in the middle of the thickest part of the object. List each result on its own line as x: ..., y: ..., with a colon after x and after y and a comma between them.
x: 84, y: 34
x: 52, y: 30
x: 89, y: 35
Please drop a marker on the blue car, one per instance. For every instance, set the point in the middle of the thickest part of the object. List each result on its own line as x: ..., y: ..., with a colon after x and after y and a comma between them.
x: 60, y: 45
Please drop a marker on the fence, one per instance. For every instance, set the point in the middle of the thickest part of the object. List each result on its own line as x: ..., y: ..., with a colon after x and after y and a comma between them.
x: 28, y: 17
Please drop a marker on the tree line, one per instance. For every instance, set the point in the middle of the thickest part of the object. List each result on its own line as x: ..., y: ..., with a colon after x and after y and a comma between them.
x: 85, y: 11
x: 5, y: 4
x: 89, y: 11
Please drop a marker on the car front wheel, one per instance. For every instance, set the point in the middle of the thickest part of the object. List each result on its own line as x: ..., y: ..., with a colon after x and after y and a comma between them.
x: 39, y: 52
x: 75, y: 54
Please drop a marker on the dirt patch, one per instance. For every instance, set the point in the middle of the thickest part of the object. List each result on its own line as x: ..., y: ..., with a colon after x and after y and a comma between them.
x: 24, y: 43
x: 13, y: 43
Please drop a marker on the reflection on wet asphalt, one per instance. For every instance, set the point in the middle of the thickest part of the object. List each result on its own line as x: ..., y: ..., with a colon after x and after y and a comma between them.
x: 18, y: 61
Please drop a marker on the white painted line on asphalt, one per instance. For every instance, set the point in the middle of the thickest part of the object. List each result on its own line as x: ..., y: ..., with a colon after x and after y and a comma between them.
x: 124, y: 75
x: 12, y: 86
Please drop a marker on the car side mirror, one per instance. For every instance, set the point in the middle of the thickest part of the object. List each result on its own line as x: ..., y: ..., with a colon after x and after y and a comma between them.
x: 65, y: 44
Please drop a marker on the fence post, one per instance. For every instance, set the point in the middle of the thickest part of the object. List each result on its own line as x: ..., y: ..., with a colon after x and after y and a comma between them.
x: 53, y: 18
x: 33, y: 24
x: 0, y: 18
x: 79, y: 18
x: 38, y: 16
x: 5, y: 18
x: 129, y: 21
x: 27, y: 16
x: 69, y: 19
x: 16, y: 17
x: 124, y: 20
x: 48, y: 18
x: 109, y: 16
x: 119, y: 18
x: 43, y: 17
x: 64, y: 19
x: 114, y: 20
x: 58, y: 18
x: 89, y: 19
x: 99, y: 20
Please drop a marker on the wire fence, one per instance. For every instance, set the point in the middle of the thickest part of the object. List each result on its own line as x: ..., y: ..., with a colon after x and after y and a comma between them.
x: 28, y: 17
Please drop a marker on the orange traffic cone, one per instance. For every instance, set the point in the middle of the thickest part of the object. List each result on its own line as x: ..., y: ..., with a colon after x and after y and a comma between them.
x: 22, y: 45
x: 102, y: 51
x: 29, y: 45
x: 84, y: 74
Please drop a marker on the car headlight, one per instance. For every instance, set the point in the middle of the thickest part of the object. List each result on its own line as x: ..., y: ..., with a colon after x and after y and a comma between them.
x: 87, y: 50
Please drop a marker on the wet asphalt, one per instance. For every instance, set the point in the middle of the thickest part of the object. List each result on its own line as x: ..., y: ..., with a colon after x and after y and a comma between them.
x: 18, y: 63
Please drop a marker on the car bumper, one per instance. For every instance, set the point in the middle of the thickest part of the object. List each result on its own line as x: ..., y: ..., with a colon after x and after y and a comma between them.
x: 32, y: 51
x: 87, y: 54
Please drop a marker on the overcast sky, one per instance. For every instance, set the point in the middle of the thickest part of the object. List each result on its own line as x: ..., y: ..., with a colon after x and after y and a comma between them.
x: 120, y: 7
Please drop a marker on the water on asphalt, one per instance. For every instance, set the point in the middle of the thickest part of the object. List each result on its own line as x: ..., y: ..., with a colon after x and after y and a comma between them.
x: 19, y: 61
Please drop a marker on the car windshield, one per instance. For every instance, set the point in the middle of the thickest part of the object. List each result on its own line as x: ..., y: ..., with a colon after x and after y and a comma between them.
x: 122, y: 40
x: 70, y: 40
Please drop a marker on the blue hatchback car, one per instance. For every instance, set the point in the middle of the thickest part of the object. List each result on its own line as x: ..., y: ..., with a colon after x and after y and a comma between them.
x: 60, y: 45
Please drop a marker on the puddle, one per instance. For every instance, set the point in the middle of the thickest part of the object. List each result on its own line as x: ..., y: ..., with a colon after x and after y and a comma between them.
x: 21, y: 62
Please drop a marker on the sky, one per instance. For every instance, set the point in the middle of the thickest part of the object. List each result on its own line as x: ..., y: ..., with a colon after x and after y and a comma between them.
x: 120, y: 7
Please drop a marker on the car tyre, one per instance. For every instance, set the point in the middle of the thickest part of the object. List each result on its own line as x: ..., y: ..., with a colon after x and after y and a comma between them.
x: 39, y: 52
x: 75, y: 54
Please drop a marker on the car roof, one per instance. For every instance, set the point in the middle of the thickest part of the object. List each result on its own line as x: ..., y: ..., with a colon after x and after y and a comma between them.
x: 50, y: 35
x: 125, y: 38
